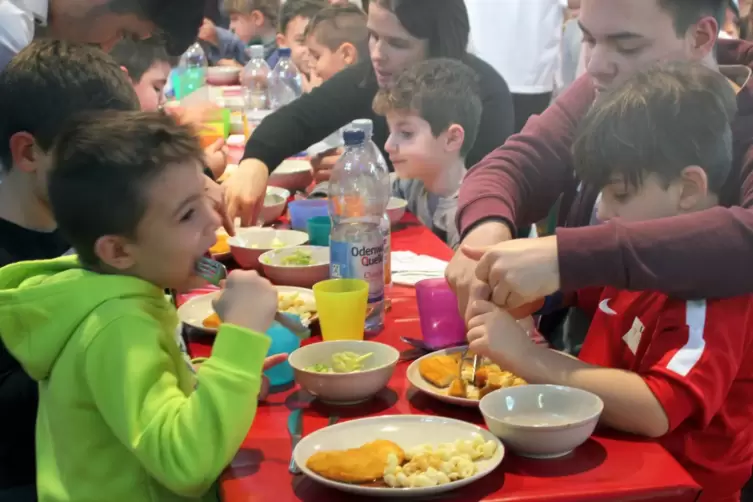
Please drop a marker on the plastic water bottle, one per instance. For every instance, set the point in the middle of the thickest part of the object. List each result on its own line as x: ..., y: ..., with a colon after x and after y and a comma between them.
x: 367, y: 126
x: 285, y: 83
x: 191, y: 74
x: 255, y: 80
x: 357, y: 201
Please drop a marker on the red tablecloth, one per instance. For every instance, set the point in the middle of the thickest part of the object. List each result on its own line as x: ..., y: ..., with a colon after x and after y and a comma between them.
x: 610, y: 466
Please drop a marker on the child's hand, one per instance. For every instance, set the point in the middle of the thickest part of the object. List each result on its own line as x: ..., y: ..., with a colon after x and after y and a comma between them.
x: 248, y: 300
x: 208, y: 32
x: 215, y: 156
x: 494, y: 333
x: 324, y: 163
x: 270, y: 362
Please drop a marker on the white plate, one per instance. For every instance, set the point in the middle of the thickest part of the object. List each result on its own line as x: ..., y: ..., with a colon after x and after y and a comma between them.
x: 415, y: 378
x: 198, y: 308
x: 407, y: 431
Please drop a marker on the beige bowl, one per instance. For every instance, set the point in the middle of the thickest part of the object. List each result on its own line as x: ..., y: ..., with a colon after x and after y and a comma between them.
x: 250, y: 243
x: 541, y: 421
x: 344, y: 388
x: 303, y: 276
x: 274, y: 204
x: 293, y: 175
x: 396, y: 209
x: 223, y: 75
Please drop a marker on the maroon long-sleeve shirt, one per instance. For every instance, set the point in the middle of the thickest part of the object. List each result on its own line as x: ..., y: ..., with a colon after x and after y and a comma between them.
x: 699, y: 255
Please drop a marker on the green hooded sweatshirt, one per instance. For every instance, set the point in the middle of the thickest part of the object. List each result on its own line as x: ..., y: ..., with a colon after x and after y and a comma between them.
x: 122, y: 417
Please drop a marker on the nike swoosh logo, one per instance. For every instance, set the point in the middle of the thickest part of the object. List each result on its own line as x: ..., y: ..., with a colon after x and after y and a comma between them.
x: 604, y: 307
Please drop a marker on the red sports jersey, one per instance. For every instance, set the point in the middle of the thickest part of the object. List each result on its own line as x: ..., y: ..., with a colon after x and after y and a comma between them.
x: 696, y: 356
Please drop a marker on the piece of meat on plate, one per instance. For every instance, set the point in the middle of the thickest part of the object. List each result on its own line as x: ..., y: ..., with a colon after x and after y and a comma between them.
x: 357, y: 465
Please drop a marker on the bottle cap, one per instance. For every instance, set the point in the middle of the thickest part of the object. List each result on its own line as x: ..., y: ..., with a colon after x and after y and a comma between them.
x: 257, y: 51
x: 365, y: 125
x: 284, y: 52
x: 353, y: 137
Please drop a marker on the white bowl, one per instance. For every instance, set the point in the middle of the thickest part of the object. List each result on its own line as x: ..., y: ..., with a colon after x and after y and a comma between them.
x: 396, y: 209
x: 541, y: 421
x: 250, y: 243
x: 223, y: 75
x: 344, y: 388
x: 407, y: 431
x: 303, y: 276
x: 292, y: 174
x: 274, y: 204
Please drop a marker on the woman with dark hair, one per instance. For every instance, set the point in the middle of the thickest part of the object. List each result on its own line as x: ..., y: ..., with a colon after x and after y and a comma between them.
x: 402, y: 33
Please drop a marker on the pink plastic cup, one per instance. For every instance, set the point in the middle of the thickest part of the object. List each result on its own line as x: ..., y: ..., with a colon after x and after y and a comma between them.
x: 441, y: 323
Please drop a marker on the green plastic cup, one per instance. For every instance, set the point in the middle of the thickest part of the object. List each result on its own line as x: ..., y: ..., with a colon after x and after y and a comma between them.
x: 319, y: 229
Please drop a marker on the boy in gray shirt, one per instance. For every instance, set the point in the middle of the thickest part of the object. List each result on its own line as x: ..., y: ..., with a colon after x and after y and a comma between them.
x: 433, y: 112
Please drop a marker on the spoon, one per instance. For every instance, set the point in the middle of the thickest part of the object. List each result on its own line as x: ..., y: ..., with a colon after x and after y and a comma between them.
x: 421, y: 345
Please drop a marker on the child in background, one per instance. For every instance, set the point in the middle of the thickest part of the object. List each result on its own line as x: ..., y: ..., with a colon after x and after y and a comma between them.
x: 148, y: 66
x: 433, y: 112
x: 255, y: 22
x: 222, y: 47
x: 294, y: 18
x: 122, y: 415
x: 674, y: 369
x: 336, y: 37
x: 40, y: 89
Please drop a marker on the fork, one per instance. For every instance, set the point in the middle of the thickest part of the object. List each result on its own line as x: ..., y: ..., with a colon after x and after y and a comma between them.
x: 215, y: 272
x: 463, y: 357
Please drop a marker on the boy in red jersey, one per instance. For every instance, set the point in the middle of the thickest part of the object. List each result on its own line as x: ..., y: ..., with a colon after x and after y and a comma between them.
x: 659, y: 145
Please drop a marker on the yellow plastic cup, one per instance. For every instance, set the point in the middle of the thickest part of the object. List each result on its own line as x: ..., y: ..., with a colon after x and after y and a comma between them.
x: 341, y: 304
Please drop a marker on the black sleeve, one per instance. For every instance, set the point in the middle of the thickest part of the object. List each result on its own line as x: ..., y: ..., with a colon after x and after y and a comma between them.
x: 498, y: 116
x: 290, y: 130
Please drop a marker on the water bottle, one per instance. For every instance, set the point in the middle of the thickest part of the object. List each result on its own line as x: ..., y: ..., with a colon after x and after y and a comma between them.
x: 191, y: 74
x: 285, y: 83
x: 367, y: 126
x: 357, y: 202
x: 255, y: 81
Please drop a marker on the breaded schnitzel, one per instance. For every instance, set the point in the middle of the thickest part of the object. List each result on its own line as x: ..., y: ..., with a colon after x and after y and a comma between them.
x: 440, y: 371
x: 357, y: 465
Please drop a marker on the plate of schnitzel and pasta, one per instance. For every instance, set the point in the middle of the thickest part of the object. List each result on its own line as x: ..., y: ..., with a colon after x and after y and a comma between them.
x: 399, y: 455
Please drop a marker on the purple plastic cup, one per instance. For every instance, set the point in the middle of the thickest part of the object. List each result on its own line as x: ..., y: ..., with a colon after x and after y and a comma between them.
x: 441, y: 323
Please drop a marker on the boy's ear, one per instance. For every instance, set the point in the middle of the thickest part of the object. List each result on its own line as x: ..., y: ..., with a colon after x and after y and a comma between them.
x: 455, y: 137
x: 694, y: 188
x: 258, y: 18
x: 349, y: 53
x: 280, y: 40
x: 24, y: 152
x: 114, y: 251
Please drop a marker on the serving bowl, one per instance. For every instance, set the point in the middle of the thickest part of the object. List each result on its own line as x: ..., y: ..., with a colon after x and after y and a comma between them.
x: 274, y: 265
x: 250, y: 243
x: 541, y: 421
x: 344, y: 388
x: 396, y: 209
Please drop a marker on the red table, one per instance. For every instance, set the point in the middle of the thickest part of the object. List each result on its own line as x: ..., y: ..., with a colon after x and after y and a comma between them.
x: 609, y: 466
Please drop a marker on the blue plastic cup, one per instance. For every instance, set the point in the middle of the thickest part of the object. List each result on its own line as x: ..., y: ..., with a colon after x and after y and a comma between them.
x: 301, y: 211
x: 284, y: 341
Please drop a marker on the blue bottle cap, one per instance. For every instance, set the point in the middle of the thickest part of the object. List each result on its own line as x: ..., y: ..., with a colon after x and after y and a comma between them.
x: 284, y: 52
x: 353, y: 137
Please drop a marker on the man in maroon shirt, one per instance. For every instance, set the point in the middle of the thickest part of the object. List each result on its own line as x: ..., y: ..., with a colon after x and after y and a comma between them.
x: 705, y: 254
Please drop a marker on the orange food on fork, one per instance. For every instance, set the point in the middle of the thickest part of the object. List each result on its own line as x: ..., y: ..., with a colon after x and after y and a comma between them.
x: 213, y: 321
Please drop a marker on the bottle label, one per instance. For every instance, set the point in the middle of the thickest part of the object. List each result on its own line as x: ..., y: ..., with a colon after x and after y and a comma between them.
x: 388, y: 258
x: 360, y: 260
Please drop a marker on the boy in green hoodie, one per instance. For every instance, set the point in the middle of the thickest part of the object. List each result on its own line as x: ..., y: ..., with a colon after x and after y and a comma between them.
x: 122, y: 416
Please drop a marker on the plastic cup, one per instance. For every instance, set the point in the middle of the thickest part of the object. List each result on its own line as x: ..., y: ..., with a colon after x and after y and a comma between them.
x: 441, y: 323
x: 341, y: 304
x: 319, y: 229
x: 284, y: 341
x: 301, y: 211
